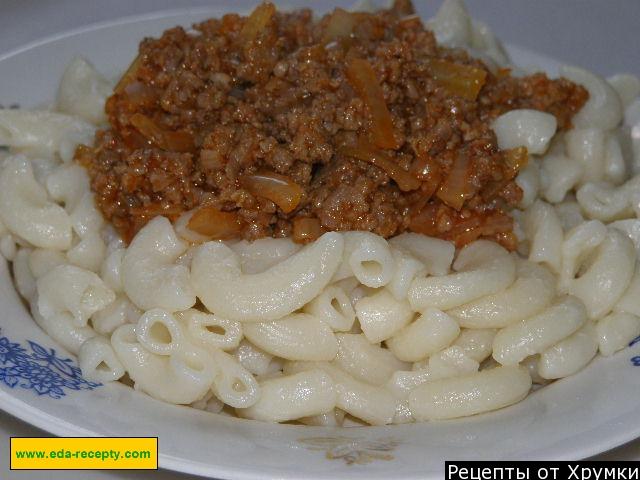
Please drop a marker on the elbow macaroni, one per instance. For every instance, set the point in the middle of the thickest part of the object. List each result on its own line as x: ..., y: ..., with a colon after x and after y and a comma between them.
x: 387, y: 331
x: 149, y: 276
x: 269, y: 295
x: 482, y: 268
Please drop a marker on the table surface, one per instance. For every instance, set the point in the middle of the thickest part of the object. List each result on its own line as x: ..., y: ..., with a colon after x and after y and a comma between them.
x: 596, y: 34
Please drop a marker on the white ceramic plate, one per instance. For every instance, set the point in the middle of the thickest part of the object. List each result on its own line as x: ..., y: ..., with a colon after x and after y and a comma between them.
x: 573, y: 418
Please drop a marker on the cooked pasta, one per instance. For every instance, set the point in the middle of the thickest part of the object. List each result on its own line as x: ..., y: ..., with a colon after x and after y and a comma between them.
x: 380, y: 330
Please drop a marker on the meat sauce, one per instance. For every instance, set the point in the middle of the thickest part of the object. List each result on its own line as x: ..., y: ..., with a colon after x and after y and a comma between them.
x: 278, y: 125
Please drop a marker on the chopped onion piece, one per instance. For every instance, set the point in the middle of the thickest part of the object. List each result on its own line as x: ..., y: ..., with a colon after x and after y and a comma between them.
x: 341, y: 24
x: 215, y: 224
x: 363, y: 80
x: 257, y: 21
x: 306, y: 229
x: 462, y: 80
x: 280, y: 189
x: 140, y: 94
x: 516, y: 159
x: 368, y: 153
x: 457, y: 186
x: 180, y: 141
x: 130, y: 75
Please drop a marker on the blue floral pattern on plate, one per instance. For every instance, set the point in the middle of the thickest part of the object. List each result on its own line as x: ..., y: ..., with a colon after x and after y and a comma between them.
x: 39, y: 369
x: 635, y: 361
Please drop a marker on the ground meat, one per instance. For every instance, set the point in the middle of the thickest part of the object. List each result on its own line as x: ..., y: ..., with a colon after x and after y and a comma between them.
x: 346, y: 122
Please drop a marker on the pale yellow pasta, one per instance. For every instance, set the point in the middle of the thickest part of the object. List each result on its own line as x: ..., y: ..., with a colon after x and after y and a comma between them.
x: 272, y: 294
x: 632, y: 124
x: 452, y: 24
x: 201, y: 404
x: 348, y: 284
x: 8, y: 247
x: 483, y: 39
x: 469, y: 395
x: 603, y: 201
x: 364, y: 360
x: 112, y: 238
x: 27, y: 212
x: 254, y: 359
x: 381, y: 315
x: 263, y: 253
x: 159, y: 332
x: 434, y: 253
x: 451, y: 362
x: 407, y: 268
x: 615, y: 331
x: 531, y: 364
x: 627, y: 87
x: 558, y: 175
x: 569, y: 214
x: 528, y: 180
x: 375, y: 405
x: 117, y: 313
x: 333, y: 307
x: 534, y: 335
x: 603, y: 109
x: 42, y: 261
x: 149, y: 276
x: 88, y: 253
x: 579, y: 242
x: 22, y: 275
x: 298, y: 336
x: 532, y: 291
x: 482, y: 268
x: 274, y: 370
x: 182, y: 377
x: 402, y: 382
x: 587, y: 148
x: 333, y: 418
x: 570, y: 355
x: 358, y: 294
x: 311, y: 392
x: 43, y: 132
x: 210, y: 331
x: 98, y: 361
x: 111, y: 268
x: 532, y: 129
x: 186, y: 258
x: 368, y: 258
x: 403, y: 413
x: 43, y: 167
x: 83, y: 91
x: 234, y: 385
x: 615, y: 164
x: 629, y: 301
x: 602, y: 281
x: 432, y: 331
x: 67, y: 185
x: 61, y: 327
x: 67, y: 289
x: 86, y: 220
x: 630, y: 227
x: 544, y: 232
x: 476, y: 343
